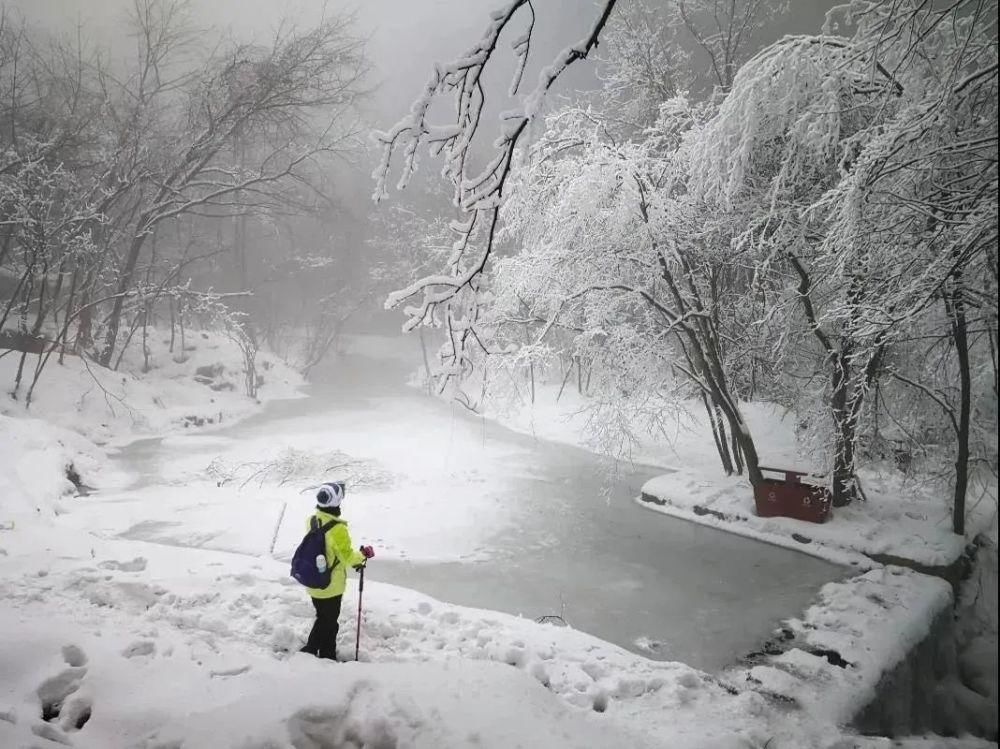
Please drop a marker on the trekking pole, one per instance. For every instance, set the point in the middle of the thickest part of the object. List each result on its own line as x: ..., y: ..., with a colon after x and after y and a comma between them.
x: 361, y: 591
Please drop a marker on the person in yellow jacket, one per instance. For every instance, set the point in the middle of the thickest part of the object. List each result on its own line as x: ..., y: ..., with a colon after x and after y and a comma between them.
x: 340, y: 554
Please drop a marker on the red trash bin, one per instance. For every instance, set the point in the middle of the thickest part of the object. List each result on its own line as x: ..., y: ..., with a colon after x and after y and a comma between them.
x: 790, y: 497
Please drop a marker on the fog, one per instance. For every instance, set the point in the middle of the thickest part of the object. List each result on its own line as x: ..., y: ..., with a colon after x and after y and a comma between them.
x: 404, y: 37
x: 694, y: 239
x: 273, y: 249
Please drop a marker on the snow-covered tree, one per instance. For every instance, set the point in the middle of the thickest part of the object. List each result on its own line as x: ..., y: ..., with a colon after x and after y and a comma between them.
x: 617, y: 266
x: 652, y: 52
x: 646, y: 67
x: 452, y: 293
x: 861, y: 167
x: 816, y: 234
x: 235, y: 133
x: 122, y: 180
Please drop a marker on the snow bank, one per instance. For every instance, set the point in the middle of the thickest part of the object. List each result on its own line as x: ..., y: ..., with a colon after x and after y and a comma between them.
x: 915, y: 742
x: 127, y: 696
x: 203, y: 387
x: 857, y: 631
x: 976, y: 625
x: 892, y: 523
x: 876, y: 652
x: 147, y: 618
x: 115, y: 634
x: 39, y: 467
x: 169, y: 647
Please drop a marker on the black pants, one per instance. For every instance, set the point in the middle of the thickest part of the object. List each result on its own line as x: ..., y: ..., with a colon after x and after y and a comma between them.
x: 322, y: 640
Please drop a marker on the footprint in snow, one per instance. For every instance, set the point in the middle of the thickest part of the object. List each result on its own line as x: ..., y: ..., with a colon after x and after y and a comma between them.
x: 74, y: 656
x: 53, y: 691
x: 139, y: 648
x: 60, y: 701
x: 136, y: 565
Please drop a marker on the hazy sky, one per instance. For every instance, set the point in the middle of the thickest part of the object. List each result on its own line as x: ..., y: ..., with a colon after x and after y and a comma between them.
x: 405, y: 36
x: 404, y: 39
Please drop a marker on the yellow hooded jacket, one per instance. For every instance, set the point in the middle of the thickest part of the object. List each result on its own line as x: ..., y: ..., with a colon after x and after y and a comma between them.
x: 339, y: 548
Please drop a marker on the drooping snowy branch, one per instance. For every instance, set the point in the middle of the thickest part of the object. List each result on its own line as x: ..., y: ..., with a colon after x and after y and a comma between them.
x: 478, y: 193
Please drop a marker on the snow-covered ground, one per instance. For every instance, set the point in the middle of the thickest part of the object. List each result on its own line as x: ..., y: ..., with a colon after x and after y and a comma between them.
x: 116, y: 407
x: 124, y: 643
x: 111, y: 643
x: 461, y: 509
x: 135, y: 626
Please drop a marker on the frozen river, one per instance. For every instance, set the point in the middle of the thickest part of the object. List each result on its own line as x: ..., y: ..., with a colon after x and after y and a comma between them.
x: 549, y: 533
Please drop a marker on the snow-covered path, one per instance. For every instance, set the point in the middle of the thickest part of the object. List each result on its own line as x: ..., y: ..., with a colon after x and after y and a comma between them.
x: 468, y: 512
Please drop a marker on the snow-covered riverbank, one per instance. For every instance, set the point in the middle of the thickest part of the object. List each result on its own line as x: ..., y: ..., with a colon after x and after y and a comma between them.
x: 114, y: 639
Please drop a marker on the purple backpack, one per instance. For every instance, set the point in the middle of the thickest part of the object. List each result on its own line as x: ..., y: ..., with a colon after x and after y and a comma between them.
x: 313, y: 545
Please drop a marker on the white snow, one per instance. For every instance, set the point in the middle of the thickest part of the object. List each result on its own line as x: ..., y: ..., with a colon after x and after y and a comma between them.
x: 115, y: 407
x: 145, y: 618
x: 852, y: 619
x: 116, y: 630
x: 36, y: 458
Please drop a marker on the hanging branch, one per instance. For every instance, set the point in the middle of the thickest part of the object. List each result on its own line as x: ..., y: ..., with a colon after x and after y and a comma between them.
x: 480, y: 196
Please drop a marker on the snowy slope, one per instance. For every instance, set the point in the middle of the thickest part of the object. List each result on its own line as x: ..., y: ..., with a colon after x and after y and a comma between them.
x: 36, y: 458
x: 146, y: 618
x: 115, y: 407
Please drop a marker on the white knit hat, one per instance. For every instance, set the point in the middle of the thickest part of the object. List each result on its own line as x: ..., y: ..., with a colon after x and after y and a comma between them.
x: 330, y: 494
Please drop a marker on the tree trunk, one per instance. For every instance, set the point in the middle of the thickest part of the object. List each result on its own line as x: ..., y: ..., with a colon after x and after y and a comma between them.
x: 123, y: 349
x: 8, y: 242
x: 85, y: 330
x: 41, y: 310
x: 124, y: 281
x: 959, y: 326
x: 746, y: 445
x: 145, y: 340
x: 68, y: 318
x: 720, y: 440
x: 843, y: 434
x: 708, y: 359
x: 173, y: 323
x: 20, y: 374
x: 57, y: 292
x: 737, y: 454
x: 13, y: 298
x: 180, y: 322
x: 569, y: 373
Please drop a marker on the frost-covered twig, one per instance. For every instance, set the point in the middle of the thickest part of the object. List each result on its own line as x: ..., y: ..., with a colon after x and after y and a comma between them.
x: 479, y: 195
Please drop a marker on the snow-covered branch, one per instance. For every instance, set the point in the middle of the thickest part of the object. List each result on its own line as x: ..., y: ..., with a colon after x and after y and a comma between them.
x: 479, y: 194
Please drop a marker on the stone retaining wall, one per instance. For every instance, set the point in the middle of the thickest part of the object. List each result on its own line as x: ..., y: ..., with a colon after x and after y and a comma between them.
x: 911, y: 698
